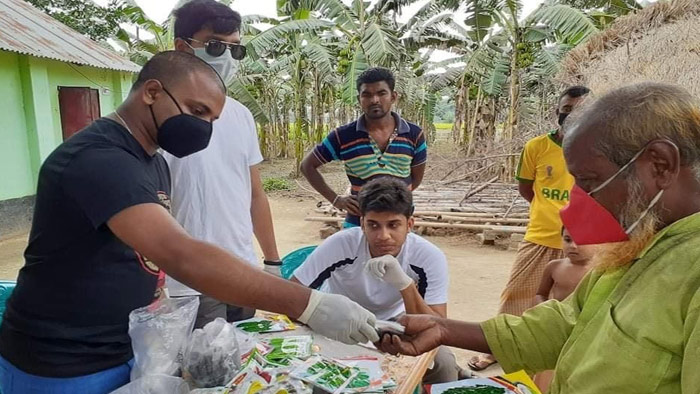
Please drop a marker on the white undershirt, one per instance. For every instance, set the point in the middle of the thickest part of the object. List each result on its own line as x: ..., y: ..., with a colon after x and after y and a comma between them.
x: 211, y: 189
x: 342, y: 257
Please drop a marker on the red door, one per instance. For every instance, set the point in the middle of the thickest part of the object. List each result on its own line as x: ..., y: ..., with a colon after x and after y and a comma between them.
x: 79, y: 107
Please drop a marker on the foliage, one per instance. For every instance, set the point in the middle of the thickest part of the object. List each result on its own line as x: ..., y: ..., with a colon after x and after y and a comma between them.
x: 299, y: 77
x: 274, y: 184
x: 84, y: 16
x: 443, y: 126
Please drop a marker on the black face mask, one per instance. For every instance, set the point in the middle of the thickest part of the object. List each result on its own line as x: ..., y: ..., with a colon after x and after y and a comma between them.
x: 184, y: 134
x: 562, y: 117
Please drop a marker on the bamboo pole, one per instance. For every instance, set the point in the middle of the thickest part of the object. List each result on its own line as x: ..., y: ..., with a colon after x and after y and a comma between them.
x: 478, y: 189
x: 469, y: 214
x: 476, y: 227
x: 449, y: 218
x: 414, y: 378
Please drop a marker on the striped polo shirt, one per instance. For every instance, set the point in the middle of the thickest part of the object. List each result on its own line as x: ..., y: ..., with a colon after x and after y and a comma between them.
x: 363, y: 159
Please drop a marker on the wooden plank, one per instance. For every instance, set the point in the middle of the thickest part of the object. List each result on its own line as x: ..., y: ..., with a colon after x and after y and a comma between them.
x: 470, y: 214
x: 408, y: 384
x: 499, y: 229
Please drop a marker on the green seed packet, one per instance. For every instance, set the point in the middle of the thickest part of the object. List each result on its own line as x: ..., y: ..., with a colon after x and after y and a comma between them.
x: 284, y: 350
x: 326, y: 374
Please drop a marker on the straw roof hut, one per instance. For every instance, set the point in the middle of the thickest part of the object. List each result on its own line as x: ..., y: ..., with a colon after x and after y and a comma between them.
x: 659, y: 43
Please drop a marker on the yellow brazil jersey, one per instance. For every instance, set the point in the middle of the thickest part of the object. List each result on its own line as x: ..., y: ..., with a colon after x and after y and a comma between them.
x: 542, y: 161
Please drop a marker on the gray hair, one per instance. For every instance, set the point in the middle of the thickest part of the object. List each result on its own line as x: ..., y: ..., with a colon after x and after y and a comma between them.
x: 626, y: 119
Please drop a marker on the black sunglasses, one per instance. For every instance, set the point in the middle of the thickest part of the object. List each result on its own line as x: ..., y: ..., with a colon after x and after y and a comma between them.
x: 217, y: 48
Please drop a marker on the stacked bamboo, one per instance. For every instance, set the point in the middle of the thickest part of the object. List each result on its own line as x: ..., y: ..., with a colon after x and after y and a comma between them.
x: 485, y: 206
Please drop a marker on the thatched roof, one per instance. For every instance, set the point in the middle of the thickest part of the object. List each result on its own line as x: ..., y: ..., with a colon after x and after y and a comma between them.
x: 659, y: 43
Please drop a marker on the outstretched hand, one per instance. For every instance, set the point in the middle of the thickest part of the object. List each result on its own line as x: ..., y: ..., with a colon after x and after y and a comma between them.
x: 423, y: 333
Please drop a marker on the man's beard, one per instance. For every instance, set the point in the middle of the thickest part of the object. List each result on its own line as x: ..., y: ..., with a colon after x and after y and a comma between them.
x: 619, y: 254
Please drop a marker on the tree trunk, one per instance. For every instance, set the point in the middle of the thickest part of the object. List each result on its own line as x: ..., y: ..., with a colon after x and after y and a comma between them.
x: 284, y: 152
x: 459, y: 111
x: 474, y: 121
x: 514, y: 110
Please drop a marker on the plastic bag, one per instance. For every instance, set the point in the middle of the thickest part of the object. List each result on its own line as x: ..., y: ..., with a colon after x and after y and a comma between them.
x: 213, y: 356
x: 155, y: 384
x: 159, y: 334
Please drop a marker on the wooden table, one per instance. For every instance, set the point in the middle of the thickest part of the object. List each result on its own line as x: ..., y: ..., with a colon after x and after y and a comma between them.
x: 406, y: 371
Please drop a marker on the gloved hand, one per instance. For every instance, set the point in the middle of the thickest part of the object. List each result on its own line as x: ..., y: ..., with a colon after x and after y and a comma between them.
x: 388, y: 269
x: 273, y: 267
x: 339, y: 318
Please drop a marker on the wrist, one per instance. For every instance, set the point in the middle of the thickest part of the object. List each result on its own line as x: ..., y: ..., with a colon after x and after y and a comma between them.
x: 441, y: 323
x: 311, y: 305
x: 276, y: 262
x: 405, y: 284
x: 335, y: 200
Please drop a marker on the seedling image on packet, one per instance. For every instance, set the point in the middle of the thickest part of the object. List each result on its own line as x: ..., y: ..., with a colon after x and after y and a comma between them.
x: 514, y: 383
x: 326, y: 374
x: 371, y: 378
x: 266, y: 323
x: 285, y: 349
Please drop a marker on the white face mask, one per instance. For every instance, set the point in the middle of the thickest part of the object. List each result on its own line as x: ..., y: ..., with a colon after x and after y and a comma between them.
x: 225, y: 65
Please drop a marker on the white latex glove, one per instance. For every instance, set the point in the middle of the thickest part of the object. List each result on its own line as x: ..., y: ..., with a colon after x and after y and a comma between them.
x: 273, y: 269
x: 337, y: 317
x: 388, y: 269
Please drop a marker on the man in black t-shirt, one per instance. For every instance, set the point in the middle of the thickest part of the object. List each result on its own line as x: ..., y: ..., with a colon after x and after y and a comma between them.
x: 101, y: 233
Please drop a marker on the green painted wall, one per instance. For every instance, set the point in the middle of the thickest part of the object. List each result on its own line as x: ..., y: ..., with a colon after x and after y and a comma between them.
x: 31, y: 123
x: 16, y: 178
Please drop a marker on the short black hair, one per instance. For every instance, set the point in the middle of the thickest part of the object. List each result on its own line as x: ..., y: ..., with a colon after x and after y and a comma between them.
x: 376, y: 74
x: 574, y: 91
x: 386, y: 194
x: 199, y: 14
x: 169, y: 67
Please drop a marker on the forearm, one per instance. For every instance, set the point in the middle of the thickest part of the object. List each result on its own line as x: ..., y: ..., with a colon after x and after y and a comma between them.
x: 464, y: 335
x: 221, y: 275
x: 415, y: 304
x: 539, y: 298
x: 318, y: 183
x: 263, y: 227
x: 526, y: 190
x: 417, y: 176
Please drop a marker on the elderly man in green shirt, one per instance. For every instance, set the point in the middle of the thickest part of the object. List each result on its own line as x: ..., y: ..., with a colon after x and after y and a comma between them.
x: 633, y: 323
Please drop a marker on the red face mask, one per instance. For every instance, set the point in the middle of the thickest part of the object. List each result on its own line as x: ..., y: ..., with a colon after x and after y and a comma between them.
x: 589, y: 223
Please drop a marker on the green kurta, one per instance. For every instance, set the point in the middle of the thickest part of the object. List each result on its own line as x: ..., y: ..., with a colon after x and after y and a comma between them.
x: 633, y: 330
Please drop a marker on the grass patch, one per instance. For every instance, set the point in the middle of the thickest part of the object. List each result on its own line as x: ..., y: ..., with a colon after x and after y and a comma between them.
x: 275, y: 184
x: 443, y: 126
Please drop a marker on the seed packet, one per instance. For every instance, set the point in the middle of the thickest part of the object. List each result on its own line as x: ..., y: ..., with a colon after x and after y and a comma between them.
x: 515, y: 383
x: 329, y: 375
x: 248, y: 383
x: 283, y: 383
x: 266, y: 323
x: 371, y: 378
x: 285, y: 349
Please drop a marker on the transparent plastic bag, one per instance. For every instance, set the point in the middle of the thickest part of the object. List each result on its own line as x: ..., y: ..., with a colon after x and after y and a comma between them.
x: 155, y: 384
x: 213, y: 355
x: 159, y: 334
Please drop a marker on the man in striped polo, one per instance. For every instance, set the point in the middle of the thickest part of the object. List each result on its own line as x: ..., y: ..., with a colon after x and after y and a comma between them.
x: 379, y: 143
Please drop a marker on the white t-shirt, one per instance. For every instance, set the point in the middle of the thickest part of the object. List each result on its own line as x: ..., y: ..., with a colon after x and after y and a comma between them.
x: 211, y: 189
x: 338, y: 265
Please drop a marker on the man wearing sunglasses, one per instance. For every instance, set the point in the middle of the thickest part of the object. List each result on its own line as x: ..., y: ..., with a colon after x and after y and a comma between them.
x: 217, y: 193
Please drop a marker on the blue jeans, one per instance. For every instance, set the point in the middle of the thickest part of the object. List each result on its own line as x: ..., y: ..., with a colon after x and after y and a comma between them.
x: 15, y: 381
